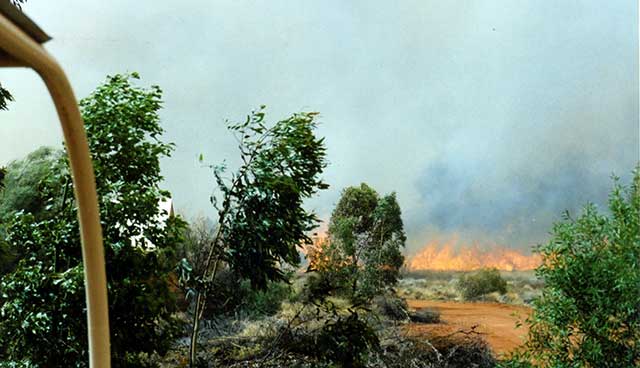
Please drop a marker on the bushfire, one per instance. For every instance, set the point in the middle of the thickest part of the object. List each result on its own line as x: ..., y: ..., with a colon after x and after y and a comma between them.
x: 448, y: 256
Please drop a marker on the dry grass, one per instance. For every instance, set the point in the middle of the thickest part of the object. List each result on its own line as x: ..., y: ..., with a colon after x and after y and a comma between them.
x: 522, y: 287
x: 240, y: 341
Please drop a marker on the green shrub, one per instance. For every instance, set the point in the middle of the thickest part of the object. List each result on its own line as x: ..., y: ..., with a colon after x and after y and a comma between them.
x: 265, y: 302
x: 589, y: 311
x: 227, y: 293
x: 230, y: 295
x: 482, y: 282
x: 346, y: 342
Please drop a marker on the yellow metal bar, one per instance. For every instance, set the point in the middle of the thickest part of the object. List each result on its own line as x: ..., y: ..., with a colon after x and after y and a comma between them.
x: 29, y: 53
x: 7, y: 60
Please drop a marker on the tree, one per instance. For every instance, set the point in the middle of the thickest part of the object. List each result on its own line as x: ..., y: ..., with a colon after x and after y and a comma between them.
x: 42, y: 302
x: 24, y: 181
x: 261, y: 220
x: 589, y: 312
x: 365, y: 239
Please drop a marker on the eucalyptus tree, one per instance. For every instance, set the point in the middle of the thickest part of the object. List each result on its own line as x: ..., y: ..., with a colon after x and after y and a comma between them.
x: 261, y: 218
x: 366, y: 237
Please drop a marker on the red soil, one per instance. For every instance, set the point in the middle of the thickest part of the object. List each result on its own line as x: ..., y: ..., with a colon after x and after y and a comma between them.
x: 495, y: 322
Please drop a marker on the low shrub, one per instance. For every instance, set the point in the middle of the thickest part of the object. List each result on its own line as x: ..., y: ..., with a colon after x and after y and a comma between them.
x: 230, y: 295
x: 464, y: 350
x: 225, y: 295
x: 265, y: 303
x: 425, y: 315
x: 481, y: 282
x: 391, y: 307
x: 460, y: 350
x: 346, y: 342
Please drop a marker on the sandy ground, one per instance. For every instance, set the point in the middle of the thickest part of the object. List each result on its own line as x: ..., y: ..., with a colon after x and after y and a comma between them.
x: 496, y: 322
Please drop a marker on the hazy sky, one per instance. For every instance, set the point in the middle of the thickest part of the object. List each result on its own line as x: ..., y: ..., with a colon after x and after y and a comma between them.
x: 487, y: 117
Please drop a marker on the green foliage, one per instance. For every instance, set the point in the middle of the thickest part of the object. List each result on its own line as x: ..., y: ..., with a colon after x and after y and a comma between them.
x: 267, y: 302
x: 589, y: 314
x: 3, y: 173
x: 4, y: 97
x: 484, y: 281
x: 261, y: 221
x: 197, y: 240
x: 236, y: 294
x: 346, y: 341
x: 516, y: 360
x: 42, y: 298
x: 345, y: 337
x: 21, y: 364
x: 42, y: 301
x: 353, y: 215
x: 26, y: 183
x: 261, y: 218
x: 230, y: 295
x: 365, y: 239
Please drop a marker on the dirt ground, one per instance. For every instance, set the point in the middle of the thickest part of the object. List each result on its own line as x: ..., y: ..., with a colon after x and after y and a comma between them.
x: 495, y: 322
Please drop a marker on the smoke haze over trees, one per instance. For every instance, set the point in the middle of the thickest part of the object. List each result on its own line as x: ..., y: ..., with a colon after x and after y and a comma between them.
x: 505, y: 105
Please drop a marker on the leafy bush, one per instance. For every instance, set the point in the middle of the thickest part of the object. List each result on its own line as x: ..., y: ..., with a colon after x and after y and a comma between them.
x: 266, y: 302
x: 42, y: 303
x: 482, y: 282
x: 346, y: 341
x: 340, y: 333
x: 226, y: 293
x: 230, y: 295
x: 589, y: 311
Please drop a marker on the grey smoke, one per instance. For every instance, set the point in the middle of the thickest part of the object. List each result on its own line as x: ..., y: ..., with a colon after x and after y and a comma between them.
x: 499, y: 201
x: 488, y: 118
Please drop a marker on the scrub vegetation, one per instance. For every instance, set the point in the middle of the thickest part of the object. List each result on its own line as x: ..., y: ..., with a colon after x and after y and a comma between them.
x: 235, y: 291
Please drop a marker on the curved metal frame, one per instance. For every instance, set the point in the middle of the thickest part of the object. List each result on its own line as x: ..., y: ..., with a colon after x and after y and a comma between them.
x: 23, y: 51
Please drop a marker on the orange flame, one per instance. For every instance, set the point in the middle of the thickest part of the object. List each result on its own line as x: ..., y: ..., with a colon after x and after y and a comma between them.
x: 315, y: 252
x: 447, y: 257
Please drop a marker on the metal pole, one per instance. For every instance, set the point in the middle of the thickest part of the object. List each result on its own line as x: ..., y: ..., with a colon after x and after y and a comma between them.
x: 29, y: 53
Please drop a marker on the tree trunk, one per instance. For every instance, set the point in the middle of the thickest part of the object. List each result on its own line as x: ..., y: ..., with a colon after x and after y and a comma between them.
x: 194, y: 331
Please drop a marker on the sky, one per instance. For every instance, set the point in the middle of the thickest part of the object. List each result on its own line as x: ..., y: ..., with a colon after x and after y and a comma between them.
x: 487, y: 118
